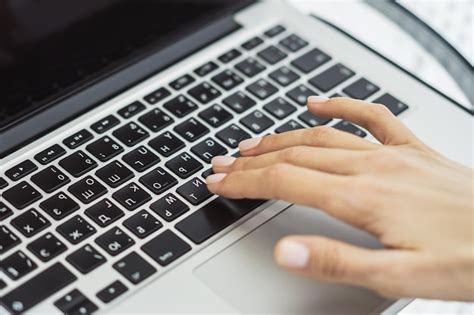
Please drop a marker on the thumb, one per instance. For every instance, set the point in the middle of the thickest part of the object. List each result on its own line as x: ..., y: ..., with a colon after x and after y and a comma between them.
x: 328, y: 259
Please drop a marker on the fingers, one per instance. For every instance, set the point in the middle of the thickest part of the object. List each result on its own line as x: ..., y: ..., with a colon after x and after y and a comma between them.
x: 323, y: 136
x: 336, y: 161
x: 376, y: 118
x: 327, y: 259
x: 293, y: 184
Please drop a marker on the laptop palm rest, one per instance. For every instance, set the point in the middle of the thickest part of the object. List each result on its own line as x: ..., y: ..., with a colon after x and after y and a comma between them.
x: 246, y: 277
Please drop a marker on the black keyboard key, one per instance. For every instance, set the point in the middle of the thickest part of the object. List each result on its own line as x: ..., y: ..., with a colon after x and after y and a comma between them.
x: 272, y: 55
x: 239, y: 102
x: 87, y: 189
x: 312, y: 120
x: 114, y: 174
x: 289, y: 126
x: 250, y: 67
x: 184, y: 165
x: 182, y: 82
x: 279, y: 108
x: 230, y: 55
x: 75, y: 303
x: 215, y: 115
x: 21, y: 170
x: 204, y: 93
x: 158, y: 181
x: 112, y: 291
x: 50, y: 154
x: 131, y: 196
x: 166, y: 248
x: 274, y: 31
x: 77, y: 139
x: 392, y: 103
x: 156, y: 120
x: 134, y: 268
x: 157, y: 95
x: 207, y: 173
x: 131, y: 109
x: 293, y: 43
x: 30, y: 223
x: 227, y: 80
x: 232, y: 135
x: 86, y: 259
x: 252, y: 43
x: 3, y: 183
x: 78, y: 163
x: 141, y: 159
x: 3, y: 284
x: 195, y: 191
x: 17, y: 265
x: 208, y: 149
x: 104, y: 149
x: 350, y: 128
x: 38, y: 289
x: 166, y: 144
x: 180, y: 106
x: 191, y: 129
x: 114, y: 241
x: 50, y: 179
x: 257, y: 121
x: 331, y: 77
x: 8, y: 240
x: 105, y: 124
x: 300, y: 94
x: 262, y: 89
x: 284, y: 76
x: 21, y: 195
x: 142, y: 224
x: 5, y: 211
x: 104, y: 213
x: 310, y: 61
x: 169, y: 207
x: 76, y: 229
x: 206, y: 68
x: 214, y: 217
x: 59, y: 206
x: 47, y: 247
x: 131, y: 134
x: 361, y: 89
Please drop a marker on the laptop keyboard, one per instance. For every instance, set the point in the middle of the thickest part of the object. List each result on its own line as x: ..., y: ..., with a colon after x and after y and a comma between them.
x: 139, y: 174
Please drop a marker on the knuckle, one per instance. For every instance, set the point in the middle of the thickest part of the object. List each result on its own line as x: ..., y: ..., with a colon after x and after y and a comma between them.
x: 240, y: 164
x: 269, y: 141
x: 273, y: 176
x: 291, y: 154
x: 321, y: 132
x: 329, y: 263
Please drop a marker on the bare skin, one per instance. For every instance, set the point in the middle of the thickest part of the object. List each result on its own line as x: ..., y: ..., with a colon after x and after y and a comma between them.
x: 419, y: 204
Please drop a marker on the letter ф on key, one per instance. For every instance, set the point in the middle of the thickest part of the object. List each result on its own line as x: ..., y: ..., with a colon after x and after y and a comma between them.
x: 131, y: 196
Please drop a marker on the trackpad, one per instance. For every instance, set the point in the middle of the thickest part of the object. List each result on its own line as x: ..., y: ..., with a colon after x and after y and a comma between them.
x: 247, y: 278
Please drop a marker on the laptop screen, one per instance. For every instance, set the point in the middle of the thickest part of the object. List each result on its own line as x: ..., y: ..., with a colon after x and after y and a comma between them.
x: 51, y: 48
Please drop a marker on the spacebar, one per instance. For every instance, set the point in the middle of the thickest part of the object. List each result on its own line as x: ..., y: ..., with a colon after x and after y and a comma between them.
x: 38, y: 289
x: 214, y: 217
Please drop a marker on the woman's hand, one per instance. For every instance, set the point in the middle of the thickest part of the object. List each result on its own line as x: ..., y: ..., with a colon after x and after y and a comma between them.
x: 416, y: 202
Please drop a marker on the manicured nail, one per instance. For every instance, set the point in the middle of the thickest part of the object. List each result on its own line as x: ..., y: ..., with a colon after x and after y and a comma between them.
x: 317, y: 99
x: 249, y: 144
x: 215, y: 178
x: 292, y: 254
x: 222, y: 160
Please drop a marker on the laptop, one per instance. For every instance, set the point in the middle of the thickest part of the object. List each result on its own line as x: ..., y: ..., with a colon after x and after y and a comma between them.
x: 111, y: 112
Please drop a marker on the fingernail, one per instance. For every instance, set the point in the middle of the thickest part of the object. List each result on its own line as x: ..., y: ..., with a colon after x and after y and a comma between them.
x: 222, y: 160
x: 292, y: 254
x: 249, y: 144
x: 215, y: 178
x: 317, y: 99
